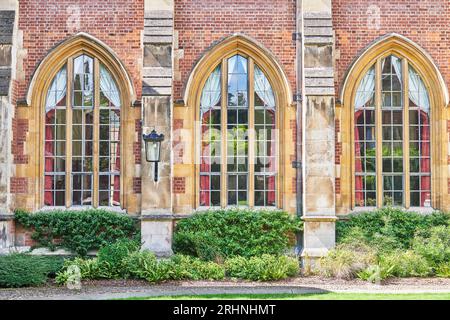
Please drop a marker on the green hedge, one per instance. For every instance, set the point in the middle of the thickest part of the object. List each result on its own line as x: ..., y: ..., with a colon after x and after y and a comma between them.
x: 78, y: 231
x: 218, y: 234
x: 394, y: 225
x: 390, y: 243
x: 21, y: 270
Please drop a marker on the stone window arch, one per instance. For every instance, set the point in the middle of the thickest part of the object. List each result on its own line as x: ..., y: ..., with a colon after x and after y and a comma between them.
x: 240, y: 83
x: 394, y: 142
x: 80, y: 97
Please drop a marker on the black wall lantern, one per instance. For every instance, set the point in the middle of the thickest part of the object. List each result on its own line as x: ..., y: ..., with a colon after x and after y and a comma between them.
x: 153, y: 149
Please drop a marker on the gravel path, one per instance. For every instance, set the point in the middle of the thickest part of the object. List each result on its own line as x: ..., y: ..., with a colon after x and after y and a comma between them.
x: 98, y: 290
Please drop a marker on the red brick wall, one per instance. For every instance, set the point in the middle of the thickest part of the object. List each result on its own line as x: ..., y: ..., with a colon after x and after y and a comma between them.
x: 45, y: 23
x: 19, y: 131
x: 201, y: 23
x: 424, y: 21
x: 179, y: 185
x: 19, y: 185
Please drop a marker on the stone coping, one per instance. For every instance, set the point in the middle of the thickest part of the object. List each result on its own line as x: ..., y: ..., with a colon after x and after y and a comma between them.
x: 6, y: 217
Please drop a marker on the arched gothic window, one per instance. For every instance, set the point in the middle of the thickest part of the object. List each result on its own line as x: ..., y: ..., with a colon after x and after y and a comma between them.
x: 238, y: 157
x: 82, y: 136
x: 392, y: 158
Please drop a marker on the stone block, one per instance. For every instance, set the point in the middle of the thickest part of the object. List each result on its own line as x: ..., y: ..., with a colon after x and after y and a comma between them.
x: 318, y: 56
x: 156, y: 236
x: 318, y: 238
x: 6, y: 234
x: 158, y: 55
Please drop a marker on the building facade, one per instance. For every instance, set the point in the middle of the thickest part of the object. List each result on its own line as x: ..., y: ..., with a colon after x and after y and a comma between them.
x: 321, y: 108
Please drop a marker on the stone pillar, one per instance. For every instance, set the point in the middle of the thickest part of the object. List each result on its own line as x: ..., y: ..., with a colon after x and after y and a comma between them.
x: 156, y: 215
x: 318, y: 124
x: 8, y: 43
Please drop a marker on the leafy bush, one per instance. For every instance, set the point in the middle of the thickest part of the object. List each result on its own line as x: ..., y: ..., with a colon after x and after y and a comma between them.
x: 392, y: 224
x: 112, y: 257
x: 436, y: 247
x: 263, y: 268
x: 144, y: 265
x: 218, y: 234
x: 186, y: 267
x: 79, y: 231
x: 21, y: 270
x: 405, y: 264
x: 347, y: 260
x: 89, y: 269
x: 443, y: 270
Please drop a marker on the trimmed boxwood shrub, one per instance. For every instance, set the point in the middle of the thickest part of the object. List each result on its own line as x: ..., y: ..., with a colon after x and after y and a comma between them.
x: 21, y: 270
x: 218, y: 234
x: 392, y: 224
x: 77, y: 230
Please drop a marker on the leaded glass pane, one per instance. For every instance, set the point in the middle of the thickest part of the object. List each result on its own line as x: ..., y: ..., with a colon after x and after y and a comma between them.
x: 55, y: 141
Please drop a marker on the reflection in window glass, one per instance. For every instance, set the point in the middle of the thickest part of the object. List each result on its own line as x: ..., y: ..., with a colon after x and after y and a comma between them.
x: 365, y: 146
x: 210, y: 169
x: 55, y: 141
x: 265, y: 171
x: 82, y: 131
x: 395, y: 124
x: 237, y: 132
x: 109, y: 142
x: 392, y: 128
x: 419, y: 141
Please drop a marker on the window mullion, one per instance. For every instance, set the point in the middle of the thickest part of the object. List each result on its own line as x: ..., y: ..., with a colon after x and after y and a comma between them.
x: 406, y: 194
x: 379, y: 136
x: 69, y: 105
x: 251, y: 135
x: 96, y: 124
x: 223, y: 162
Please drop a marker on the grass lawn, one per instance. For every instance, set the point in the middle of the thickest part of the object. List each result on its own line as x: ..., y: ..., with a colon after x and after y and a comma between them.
x: 308, y: 296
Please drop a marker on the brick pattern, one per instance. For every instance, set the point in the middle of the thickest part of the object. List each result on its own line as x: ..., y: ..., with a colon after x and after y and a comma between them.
x: 137, y: 185
x: 118, y: 23
x: 178, y: 124
x: 178, y: 144
x: 357, y: 24
x: 337, y: 185
x: 293, y: 126
x: 19, y: 185
x: 20, y: 130
x: 202, y: 23
x: 137, y: 145
x: 179, y: 185
x: 338, y: 144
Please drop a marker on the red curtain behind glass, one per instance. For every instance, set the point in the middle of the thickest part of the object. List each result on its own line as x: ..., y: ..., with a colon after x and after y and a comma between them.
x: 49, y: 157
x: 359, y: 194
x: 425, y: 168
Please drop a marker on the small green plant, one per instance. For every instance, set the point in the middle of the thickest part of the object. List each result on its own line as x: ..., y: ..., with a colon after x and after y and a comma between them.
x: 375, y: 273
x: 22, y: 270
x: 112, y: 257
x: 186, y: 267
x: 443, y: 270
x: 262, y: 268
x: 434, y: 245
x: 144, y: 265
x: 405, y: 264
x: 219, y: 234
x: 347, y: 260
x: 79, y: 231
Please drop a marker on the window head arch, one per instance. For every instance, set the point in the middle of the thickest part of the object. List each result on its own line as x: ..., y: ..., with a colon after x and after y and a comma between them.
x: 392, y: 137
x: 238, y: 137
x: 82, y: 136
